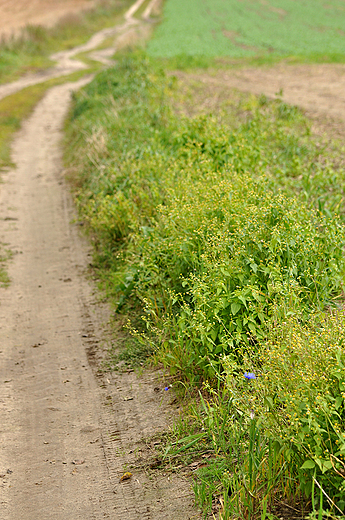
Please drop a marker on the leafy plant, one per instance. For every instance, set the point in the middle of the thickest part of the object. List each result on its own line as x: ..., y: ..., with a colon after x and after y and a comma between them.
x: 228, y: 240
x: 298, y: 399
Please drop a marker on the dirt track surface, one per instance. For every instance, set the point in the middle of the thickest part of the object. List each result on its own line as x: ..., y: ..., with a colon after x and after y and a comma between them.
x: 68, y: 432
x: 16, y: 14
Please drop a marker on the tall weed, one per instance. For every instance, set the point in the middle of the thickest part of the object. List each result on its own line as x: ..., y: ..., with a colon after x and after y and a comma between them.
x: 230, y: 241
x: 196, y: 219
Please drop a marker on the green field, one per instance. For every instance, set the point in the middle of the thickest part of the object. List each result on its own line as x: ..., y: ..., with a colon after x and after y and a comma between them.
x: 307, y: 28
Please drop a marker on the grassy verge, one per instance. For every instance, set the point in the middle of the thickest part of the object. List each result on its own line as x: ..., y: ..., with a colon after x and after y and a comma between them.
x: 32, y: 50
x: 5, y: 255
x: 224, y: 235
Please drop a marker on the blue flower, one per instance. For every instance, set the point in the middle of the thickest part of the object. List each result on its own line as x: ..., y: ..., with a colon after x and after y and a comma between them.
x: 166, y: 388
x: 249, y: 375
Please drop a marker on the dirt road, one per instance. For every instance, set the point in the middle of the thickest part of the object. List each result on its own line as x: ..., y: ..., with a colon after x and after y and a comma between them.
x: 16, y: 14
x: 67, y: 434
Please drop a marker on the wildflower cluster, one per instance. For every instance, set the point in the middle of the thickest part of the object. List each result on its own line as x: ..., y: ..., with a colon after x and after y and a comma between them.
x: 299, y: 399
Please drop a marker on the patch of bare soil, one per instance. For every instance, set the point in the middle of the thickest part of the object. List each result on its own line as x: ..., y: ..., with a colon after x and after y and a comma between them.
x: 318, y: 89
x: 68, y: 432
x: 16, y: 14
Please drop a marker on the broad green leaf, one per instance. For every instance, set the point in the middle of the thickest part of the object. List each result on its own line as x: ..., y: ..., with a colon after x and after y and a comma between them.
x: 235, y: 307
x: 308, y: 464
x: 338, y: 402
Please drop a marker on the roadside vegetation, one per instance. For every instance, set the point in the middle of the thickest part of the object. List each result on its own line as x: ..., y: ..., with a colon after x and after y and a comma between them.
x: 222, y: 238
x: 251, y: 30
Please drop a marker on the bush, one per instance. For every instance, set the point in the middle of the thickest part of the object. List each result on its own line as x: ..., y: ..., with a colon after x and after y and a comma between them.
x: 215, y: 243
x: 298, y: 399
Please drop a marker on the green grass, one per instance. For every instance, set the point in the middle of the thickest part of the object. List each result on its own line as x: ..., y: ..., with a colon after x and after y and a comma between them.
x: 31, y: 51
x: 223, y: 236
x: 308, y: 30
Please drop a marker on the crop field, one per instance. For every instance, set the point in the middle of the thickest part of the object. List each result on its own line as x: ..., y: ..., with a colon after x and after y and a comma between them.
x: 313, y: 29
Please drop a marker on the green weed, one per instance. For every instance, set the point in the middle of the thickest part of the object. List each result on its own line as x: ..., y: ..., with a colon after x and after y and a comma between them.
x: 297, y: 397
x: 227, y: 237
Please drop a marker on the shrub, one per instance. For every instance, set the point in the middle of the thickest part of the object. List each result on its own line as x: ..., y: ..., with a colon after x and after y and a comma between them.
x: 298, y: 399
x: 227, y: 256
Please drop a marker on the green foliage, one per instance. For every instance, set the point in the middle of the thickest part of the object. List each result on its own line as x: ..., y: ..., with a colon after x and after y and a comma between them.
x: 278, y: 435
x: 238, y: 470
x: 308, y: 28
x: 232, y: 254
x: 231, y: 240
x: 298, y: 398
x: 216, y: 244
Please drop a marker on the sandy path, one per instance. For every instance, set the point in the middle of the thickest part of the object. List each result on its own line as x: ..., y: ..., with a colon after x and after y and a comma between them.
x: 16, y: 14
x: 50, y: 404
x: 66, y: 436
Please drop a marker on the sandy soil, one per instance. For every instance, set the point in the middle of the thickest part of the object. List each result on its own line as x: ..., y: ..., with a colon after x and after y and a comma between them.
x: 68, y: 431
x: 318, y: 89
x: 16, y: 14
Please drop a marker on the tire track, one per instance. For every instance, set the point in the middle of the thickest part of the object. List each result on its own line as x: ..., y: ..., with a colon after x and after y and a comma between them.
x: 66, y: 433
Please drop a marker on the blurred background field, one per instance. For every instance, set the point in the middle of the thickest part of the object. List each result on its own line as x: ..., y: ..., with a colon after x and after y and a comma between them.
x: 240, y: 29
